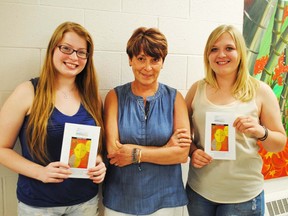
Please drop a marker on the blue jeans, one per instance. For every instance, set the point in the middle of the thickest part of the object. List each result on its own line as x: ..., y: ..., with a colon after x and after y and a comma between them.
x: 199, y: 206
x: 89, y: 208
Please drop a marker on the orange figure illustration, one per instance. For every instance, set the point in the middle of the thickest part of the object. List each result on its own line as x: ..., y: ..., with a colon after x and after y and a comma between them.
x: 79, y: 152
x: 219, y: 138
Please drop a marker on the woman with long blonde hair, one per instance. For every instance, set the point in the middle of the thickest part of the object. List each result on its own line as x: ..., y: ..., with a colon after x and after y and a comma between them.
x: 65, y: 92
x: 231, y: 187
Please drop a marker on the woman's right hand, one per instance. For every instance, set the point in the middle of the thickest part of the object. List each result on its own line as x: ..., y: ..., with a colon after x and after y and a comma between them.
x: 199, y: 158
x: 55, y: 172
x: 180, y: 137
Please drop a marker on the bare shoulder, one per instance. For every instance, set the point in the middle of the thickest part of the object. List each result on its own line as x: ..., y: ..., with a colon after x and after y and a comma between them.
x: 23, y: 93
x: 264, y: 86
x: 265, y: 90
x: 266, y: 98
x: 179, y: 95
x: 25, y: 87
x: 110, y: 99
x: 191, y: 92
x: 111, y: 95
x: 179, y: 100
x: 19, y: 103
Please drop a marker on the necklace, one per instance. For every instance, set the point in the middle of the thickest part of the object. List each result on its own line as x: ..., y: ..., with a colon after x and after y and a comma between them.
x: 68, y: 94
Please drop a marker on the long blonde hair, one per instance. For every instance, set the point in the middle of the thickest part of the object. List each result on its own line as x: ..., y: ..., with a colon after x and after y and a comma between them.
x: 245, y: 86
x: 43, y: 104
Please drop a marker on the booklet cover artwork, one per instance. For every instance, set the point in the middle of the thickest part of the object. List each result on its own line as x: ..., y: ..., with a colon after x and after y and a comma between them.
x: 79, y: 152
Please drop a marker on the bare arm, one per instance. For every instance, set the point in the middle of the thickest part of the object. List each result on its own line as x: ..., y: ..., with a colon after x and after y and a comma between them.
x: 188, y: 100
x: 270, y: 117
x: 12, y: 114
x: 171, y: 153
x: 110, y: 121
x: 198, y: 157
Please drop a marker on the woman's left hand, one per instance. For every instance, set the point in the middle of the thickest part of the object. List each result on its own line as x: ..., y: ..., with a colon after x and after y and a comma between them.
x: 249, y: 125
x: 122, y: 156
x: 97, y: 173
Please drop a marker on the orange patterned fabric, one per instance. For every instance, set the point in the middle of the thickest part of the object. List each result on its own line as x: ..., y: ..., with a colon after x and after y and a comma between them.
x: 274, y: 164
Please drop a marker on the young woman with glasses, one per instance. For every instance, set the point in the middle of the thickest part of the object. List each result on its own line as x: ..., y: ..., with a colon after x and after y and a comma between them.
x: 66, y: 91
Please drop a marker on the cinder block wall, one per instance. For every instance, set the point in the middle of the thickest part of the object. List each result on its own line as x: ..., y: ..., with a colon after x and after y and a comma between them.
x: 26, y: 27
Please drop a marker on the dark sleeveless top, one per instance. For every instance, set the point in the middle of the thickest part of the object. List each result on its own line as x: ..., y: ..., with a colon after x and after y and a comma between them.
x: 71, y: 191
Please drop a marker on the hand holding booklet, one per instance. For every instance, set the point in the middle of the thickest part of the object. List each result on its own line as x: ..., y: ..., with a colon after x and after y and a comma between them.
x: 79, y: 148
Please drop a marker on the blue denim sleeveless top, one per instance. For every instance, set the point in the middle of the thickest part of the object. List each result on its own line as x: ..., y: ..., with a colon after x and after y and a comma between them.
x: 71, y: 191
x: 145, y: 188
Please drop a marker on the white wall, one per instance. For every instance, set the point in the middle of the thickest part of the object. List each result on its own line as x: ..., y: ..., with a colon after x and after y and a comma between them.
x: 26, y: 27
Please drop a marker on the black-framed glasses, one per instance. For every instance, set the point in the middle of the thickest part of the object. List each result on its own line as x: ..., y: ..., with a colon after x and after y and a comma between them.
x: 81, y: 53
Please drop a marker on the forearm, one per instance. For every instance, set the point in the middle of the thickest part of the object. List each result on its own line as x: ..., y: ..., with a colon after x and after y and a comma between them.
x: 164, y: 155
x: 12, y: 160
x: 275, y: 141
x: 173, y: 152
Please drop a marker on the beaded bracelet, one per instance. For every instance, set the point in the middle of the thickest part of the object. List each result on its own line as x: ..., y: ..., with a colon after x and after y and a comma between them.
x: 265, y: 135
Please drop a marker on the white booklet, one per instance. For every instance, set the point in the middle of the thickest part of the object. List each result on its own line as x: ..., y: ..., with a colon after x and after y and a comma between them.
x: 220, y: 136
x: 79, y: 148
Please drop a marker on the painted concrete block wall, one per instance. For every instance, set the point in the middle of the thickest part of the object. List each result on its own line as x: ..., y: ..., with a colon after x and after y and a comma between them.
x: 26, y: 27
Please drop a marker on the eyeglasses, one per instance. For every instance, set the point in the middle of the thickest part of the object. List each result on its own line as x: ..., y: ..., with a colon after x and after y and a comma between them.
x: 81, y: 53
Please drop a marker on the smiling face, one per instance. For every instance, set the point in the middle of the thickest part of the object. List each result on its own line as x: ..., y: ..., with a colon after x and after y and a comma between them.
x: 69, y: 65
x: 223, y: 56
x: 146, y: 69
